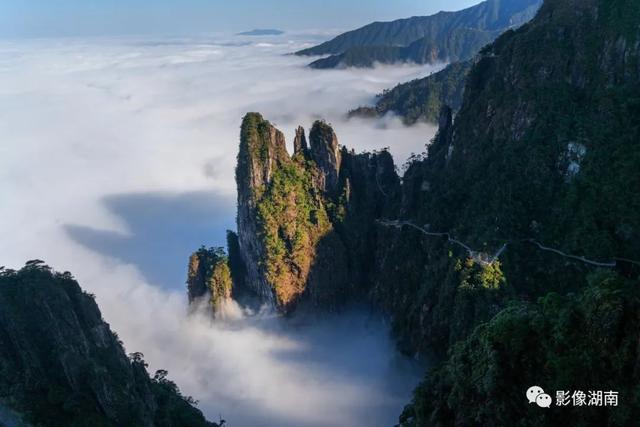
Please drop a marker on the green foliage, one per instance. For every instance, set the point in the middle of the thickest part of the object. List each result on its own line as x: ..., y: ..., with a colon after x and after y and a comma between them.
x: 337, y: 210
x: 292, y: 219
x: 474, y: 275
x: 585, y: 341
x: 220, y: 283
x: 255, y: 130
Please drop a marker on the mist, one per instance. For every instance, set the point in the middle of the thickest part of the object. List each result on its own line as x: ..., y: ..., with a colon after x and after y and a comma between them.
x: 117, y: 160
x: 313, y: 370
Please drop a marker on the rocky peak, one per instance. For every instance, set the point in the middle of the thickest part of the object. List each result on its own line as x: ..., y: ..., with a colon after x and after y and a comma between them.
x: 262, y: 151
x: 300, y: 142
x: 262, y: 148
x: 297, y: 219
x: 196, y: 282
x: 209, y: 273
x: 325, y: 151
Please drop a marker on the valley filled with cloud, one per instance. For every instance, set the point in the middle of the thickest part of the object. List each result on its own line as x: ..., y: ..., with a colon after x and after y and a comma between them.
x: 117, y: 160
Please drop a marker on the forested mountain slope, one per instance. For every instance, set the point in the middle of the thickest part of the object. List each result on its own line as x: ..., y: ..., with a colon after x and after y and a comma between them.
x: 421, y: 99
x: 544, y: 153
x: 61, y: 365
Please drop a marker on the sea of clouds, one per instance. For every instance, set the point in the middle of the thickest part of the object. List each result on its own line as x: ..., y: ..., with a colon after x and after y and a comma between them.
x: 117, y: 160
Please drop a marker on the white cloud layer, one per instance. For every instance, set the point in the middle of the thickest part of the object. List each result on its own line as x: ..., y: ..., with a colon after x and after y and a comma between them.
x: 117, y: 159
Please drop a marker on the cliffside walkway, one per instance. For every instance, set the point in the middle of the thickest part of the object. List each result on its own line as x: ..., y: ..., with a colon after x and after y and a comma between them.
x: 486, y: 259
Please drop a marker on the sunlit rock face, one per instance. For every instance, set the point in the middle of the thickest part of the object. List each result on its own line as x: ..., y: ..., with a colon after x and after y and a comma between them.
x: 305, y: 221
x: 262, y: 150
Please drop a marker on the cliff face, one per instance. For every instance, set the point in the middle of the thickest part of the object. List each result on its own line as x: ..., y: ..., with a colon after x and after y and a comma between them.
x: 262, y: 149
x: 326, y: 155
x: 291, y: 211
x: 60, y: 364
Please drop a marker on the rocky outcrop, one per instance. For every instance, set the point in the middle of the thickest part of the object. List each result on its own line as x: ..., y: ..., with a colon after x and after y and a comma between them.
x: 300, y: 142
x: 196, y: 278
x: 262, y: 149
x: 325, y: 152
x: 60, y: 364
x: 500, y: 175
x: 209, y: 275
x: 276, y: 232
x: 293, y: 213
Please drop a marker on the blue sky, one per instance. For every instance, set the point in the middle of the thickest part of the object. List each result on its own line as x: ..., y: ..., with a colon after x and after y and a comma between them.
x: 41, y: 18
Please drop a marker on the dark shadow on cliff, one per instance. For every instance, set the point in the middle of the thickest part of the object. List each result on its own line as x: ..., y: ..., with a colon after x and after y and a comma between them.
x: 164, y: 229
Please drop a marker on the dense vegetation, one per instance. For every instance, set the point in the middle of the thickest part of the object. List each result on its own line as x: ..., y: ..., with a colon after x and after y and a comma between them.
x: 421, y: 99
x: 580, y: 342
x: 443, y: 37
x: 60, y: 364
x: 544, y: 149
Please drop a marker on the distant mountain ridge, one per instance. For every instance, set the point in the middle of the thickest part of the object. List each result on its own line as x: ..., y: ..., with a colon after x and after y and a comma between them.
x: 262, y: 32
x: 443, y: 37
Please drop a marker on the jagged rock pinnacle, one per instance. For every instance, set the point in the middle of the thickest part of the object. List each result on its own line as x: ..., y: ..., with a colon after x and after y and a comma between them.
x: 326, y: 153
x: 262, y: 151
x: 300, y: 142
